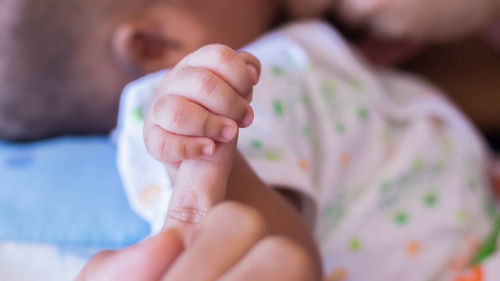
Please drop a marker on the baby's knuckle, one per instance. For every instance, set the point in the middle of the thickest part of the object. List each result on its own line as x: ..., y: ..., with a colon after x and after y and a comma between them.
x: 160, y: 107
x: 223, y: 54
x: 179, y: 114
x: 206, y: 124
x: 153, y: 142
x: 161, y: 149
x: 207, y: 83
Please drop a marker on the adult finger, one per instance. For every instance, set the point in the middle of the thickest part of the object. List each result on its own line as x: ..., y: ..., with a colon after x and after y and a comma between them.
x: 227, y: 234
x: 146, y: 261
x: 359, y: 12
x: 274, y: 258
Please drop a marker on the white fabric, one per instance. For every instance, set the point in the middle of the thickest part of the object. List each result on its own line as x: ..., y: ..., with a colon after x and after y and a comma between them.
x: 23, y: 261
x: 393, y: 176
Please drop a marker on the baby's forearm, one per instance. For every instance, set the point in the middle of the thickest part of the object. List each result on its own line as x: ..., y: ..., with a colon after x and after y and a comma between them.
x: 246, y: 187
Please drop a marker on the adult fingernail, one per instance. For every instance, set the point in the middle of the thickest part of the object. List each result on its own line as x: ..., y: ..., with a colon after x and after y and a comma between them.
x: 208, y: 150
x: 254, y: 73
x: 228, y: 133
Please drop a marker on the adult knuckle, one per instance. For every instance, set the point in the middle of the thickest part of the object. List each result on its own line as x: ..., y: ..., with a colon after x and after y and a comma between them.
x: 290, y: 256
x: 249, y: 219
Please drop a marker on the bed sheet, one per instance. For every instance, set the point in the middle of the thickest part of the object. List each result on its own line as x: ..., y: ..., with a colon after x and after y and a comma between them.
x: 65, y: 192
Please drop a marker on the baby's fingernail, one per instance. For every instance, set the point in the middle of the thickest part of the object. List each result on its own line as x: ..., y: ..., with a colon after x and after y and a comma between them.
x: 247, y: 120
x: 228, y: 133
x: 254, y: 73
x: 250, y: 96
x: 208, y: 150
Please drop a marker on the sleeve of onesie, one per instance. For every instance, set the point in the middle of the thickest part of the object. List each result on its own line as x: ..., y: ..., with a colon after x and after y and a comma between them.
x: 281, y: 145
x: 145, y: 180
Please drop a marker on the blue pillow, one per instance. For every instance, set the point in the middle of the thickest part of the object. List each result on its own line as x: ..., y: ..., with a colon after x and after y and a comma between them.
x: 66, y: 192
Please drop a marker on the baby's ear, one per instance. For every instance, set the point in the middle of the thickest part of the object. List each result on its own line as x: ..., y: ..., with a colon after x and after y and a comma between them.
x: 141, y: 46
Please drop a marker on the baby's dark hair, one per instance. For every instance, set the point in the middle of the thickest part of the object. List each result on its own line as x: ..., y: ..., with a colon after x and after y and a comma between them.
x: 43, y: 87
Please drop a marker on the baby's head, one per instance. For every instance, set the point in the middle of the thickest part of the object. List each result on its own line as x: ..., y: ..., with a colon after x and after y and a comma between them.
x: 63, y: 63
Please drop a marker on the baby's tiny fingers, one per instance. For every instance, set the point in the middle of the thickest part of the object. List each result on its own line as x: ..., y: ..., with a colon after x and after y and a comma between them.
x: 181, y: 116
x: 171, y: 148
x: 210, y: 91
x: 240, y: 70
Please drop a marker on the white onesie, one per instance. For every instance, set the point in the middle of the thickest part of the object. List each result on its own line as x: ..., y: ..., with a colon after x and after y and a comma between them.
x: 392, y: 176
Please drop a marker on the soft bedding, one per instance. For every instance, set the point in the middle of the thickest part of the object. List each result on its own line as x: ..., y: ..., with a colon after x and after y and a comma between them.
x: 65, y: 191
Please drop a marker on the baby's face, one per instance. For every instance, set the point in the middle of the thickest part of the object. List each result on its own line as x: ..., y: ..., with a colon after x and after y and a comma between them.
x: 191, y: 24
x: 112, y: 51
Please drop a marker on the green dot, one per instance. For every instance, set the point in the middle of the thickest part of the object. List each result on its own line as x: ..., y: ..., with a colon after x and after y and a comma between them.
x: 430, y: 200
x: 306, y: 131
x: 137, y: 113
x: 363, y: 114
x: 278, y: 108
x: 305, y: 99
x: 340, y: 128
x: 384, y: 187
x: 328, y: 88
x: 272, y: 156
x: 447, y: 145
x: 385, y: 135
x: 278, y: 70
x: 463, y: 216
x: 418, y: 165
x: 473, y: 184
x: 401, y: 218
x: 256, y: 144
x: 355, y: 83
x: 355, y: 245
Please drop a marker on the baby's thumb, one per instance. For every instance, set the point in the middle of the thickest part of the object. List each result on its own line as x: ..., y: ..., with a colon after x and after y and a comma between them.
x: 199, y: 186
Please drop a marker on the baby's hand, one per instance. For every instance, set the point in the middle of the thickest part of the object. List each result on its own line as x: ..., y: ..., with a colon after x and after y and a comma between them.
x: 193, y: 121
x: 203, y: 100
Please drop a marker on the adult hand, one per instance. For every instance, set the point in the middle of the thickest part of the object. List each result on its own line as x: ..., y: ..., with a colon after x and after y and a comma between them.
x: 426, y: 20
x: 230, y: 246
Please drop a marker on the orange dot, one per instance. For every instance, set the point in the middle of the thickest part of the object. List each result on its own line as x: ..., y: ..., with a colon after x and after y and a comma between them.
x: 149, y: 194
x: 304, y: 165
x: 345, y: 160
x: 390, y: 152
x: 413, y: 248
x: 340, y: 274
x: 475, y: 274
